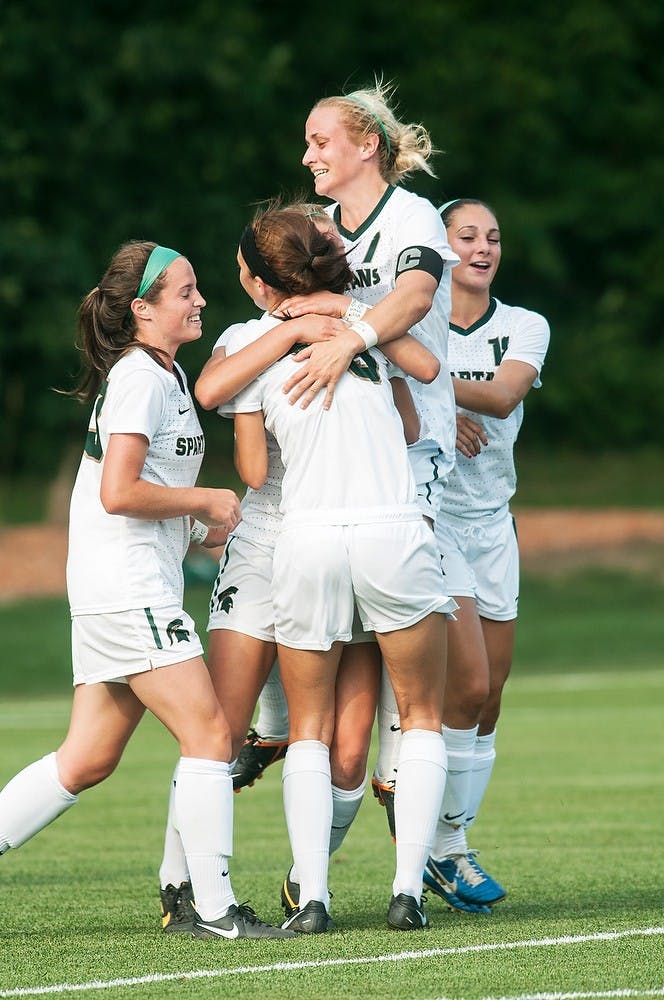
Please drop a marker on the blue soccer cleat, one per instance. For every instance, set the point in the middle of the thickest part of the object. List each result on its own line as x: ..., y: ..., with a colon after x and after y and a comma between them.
x: 442, y: 888
x: 465, y: 878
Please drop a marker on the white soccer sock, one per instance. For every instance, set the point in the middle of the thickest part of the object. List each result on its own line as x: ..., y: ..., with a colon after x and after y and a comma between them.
x: 272, y: 721
x: 417, y: 799
x: 389, y: 732
x: 485, y: 755
x: 450, y: 835
x: 30, y: 801
x: 308, y: 806
x: 204, y: 816
x: 345, y: 805
x: 173, y: 870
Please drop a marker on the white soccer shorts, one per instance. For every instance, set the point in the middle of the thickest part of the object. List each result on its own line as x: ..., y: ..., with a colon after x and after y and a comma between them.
x: 390, y: 569
x: 111, y: 647
x: 480, y: 559
x: 242, y: 594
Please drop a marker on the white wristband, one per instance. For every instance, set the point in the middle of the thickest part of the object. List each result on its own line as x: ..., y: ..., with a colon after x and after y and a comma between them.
x: 199, y: 532
x: 355, y: 311
x: 366, y: 332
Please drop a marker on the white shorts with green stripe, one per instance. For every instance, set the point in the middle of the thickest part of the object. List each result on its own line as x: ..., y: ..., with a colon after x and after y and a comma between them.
x: 111, y: 647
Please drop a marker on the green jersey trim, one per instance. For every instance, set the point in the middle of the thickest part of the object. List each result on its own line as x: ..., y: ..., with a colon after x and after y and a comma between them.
x: 478, y: 323
x: 347, y: 234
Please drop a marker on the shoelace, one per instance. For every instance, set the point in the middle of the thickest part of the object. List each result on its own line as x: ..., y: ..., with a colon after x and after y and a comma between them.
x: 248, y: 914
x: 469, y: 873
x: 184, y: 908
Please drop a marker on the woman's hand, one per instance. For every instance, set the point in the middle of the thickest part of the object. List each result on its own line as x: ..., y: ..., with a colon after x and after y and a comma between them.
x: 323, y: 303
x: 313, y: 329
x: 216, y: 537
x: 470, y: 436
x: 321, y: 368
x: 219, y: 509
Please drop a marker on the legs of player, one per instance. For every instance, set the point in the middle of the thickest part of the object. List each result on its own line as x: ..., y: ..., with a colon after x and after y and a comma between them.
x: 451, y: 870
x: 499, y: 640
x: 236, y: 690
x: 389, y: 736
x: 415, y: 660
x: 272, y: 721
x: 355, y: 706
x: 356, y: 695
x: 309, y: 679
x: 103, y: 718
x: 239, y: 666
x: 183, y: 698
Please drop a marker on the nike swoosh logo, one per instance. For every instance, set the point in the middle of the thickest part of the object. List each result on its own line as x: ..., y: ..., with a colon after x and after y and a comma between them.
x: 220, y: 930
x: 449, y: 819
x: 451, y: 887
x: 181, y: 412
x: 395, y: 729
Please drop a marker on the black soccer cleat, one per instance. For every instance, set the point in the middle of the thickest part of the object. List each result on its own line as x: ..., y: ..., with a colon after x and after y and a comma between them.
x: 177, y: 909
x: 290, y: 895
x: 311, y: 919
x: 256, y: 754
x: 406, y: 914
x: 239, y: 922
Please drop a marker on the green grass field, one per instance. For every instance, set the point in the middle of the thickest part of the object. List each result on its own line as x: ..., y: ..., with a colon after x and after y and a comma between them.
x: 573, y: 826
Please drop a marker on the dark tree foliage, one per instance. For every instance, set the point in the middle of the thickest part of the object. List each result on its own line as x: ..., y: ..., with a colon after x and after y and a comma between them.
x: 169, y: 122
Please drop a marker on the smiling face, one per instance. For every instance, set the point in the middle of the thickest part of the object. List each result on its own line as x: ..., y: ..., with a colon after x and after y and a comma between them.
x: 332, y: 155
x: 474, y: 235
x: 174, y: 318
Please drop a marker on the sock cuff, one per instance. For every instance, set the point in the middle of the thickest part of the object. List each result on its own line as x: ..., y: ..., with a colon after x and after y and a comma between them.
x: 423, y: 744
x: 51, y: 765
x: 307, y: 755
x: 460, y: 739
x: 349, y: 795
x: 485, y: 746
x: 200, y: 765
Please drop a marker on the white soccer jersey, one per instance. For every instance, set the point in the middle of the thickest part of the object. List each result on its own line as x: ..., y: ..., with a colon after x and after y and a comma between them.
x: 386, y: 244
x: 261, y: 517
x: 117, y: 563
x: 344, y: 465
x: 483, y: 484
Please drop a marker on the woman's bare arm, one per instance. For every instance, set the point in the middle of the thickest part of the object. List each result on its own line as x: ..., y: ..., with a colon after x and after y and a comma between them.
x: 251, y: 448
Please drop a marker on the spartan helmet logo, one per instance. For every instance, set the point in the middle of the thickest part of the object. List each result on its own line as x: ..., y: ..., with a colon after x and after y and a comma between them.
x: 225, y: 599
x: 176, y: 630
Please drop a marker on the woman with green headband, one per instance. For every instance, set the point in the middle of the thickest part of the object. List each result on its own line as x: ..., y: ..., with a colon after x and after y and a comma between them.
x: 134, y: 508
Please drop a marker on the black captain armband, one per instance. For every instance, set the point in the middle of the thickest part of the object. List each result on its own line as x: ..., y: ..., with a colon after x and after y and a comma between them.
x: 420, y: 259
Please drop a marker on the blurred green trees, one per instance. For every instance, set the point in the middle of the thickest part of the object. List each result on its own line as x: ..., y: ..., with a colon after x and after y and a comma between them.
x: 167, y: 122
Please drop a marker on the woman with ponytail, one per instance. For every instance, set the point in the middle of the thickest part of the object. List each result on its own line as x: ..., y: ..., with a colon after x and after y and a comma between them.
x: 351, y: 536
x: 134, y: 508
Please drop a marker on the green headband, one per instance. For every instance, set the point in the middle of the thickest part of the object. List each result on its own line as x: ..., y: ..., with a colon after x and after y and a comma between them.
x: 158, y: 261
x: 443, y: 208
x: 360, y: 100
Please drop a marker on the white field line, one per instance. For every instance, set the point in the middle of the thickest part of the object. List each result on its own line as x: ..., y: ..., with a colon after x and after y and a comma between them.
x: 401, y: 956
x: 595, y: 995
